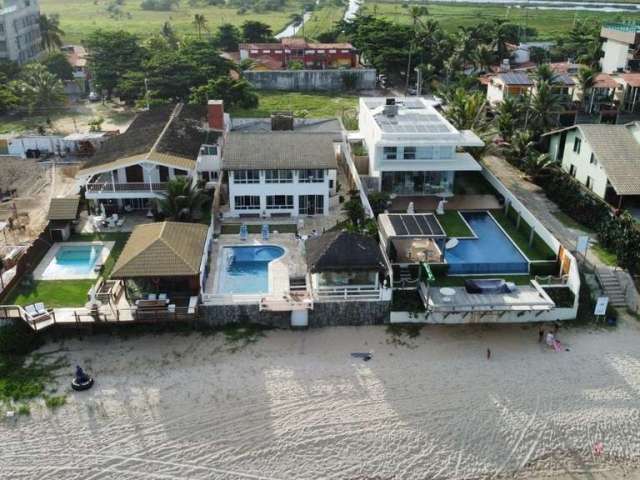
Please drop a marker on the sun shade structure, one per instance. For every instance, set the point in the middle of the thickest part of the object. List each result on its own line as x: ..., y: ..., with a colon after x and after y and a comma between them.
x: 416, y: 225
x: 63, y: 209
x: 343, y: 251
x: 166, y: 249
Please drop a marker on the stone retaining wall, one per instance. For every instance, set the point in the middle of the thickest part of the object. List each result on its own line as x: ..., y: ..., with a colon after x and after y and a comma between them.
x: 304, y: 80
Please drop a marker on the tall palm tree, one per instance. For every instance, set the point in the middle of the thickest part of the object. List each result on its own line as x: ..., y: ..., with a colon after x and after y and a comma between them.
x: 50, y: 32
x: 41, y: 88
x: 181, y: 200
x: 200, y: 23
x: 586, y: 81
x: 483, y: 57
x: 544, y: 73
x: 415, y: 12
x: 545, y: 106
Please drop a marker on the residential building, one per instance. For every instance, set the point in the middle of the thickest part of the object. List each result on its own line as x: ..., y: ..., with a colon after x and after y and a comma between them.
x: 275, y: 56
x: 77, y: 57
x: 132, y: 169
x: 520, y: 83
x: 412, y: 149
x: 280, y: 173
x: 20, y: 30
x: 604, y: 158
x: 621, y: 47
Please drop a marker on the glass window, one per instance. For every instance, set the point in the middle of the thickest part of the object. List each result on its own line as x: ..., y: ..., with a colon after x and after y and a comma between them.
x: 310, y: 176
x: 444, y: 152
x: 389, y: 153
x: 409, y: 153
x: 246, y: 176
x: 209, y: 150
x: 279, y: 202
x: 590, y: 183
x: 278, y: 176
x: 576, y: 145
x: 593, y: 160
x: 247, y: 202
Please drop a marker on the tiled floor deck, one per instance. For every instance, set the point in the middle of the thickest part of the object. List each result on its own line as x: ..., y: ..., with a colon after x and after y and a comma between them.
x: 457, y: 202
x: 525, y: 298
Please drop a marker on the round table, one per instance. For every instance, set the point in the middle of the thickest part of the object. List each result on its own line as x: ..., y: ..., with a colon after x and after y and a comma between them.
x: 447, y: 291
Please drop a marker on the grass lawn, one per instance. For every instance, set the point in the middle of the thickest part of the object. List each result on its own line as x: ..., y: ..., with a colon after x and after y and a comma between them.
x: 455, y: 281
x: 454, y: 225
x: 472, y: 183
x: 569, y: 222
x: 303, y: 105
x: 605, y: 256
x: 78, y: 18
x: 548, y: 23
x: 322, y: 20
x: 537, y: 251
x: 234, y: 228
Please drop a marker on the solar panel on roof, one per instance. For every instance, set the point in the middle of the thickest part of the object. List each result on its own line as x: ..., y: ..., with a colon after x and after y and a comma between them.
x: 398, y: 225
x: 411, y: 224
x: 435, y: 226
x: 424, y: 226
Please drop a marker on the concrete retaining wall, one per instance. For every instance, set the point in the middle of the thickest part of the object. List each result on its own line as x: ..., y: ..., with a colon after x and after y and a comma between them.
x: 323, y: 314
x: 351, y: 79
x: 439, y: 318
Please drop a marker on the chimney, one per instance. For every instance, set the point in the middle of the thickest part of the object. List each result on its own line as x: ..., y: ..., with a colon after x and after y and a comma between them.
x: 215, y: 115
x: 390, y: 108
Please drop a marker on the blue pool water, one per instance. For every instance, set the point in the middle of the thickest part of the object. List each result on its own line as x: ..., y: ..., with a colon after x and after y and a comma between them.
x: 491, y: 252
x: 73, y: 261
x: 245, y: 269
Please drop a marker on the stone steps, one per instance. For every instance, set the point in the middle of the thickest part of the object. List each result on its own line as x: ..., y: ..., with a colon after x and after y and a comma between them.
x: 612, y: 287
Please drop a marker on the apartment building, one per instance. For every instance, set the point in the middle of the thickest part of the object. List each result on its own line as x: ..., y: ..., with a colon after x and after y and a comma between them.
x: 20, y: 30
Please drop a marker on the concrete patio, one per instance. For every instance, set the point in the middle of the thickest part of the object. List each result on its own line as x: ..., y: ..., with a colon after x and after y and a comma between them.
x: 457, y: 202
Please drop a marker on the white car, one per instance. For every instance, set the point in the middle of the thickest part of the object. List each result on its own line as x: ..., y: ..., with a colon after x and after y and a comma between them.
x: 94, y: 97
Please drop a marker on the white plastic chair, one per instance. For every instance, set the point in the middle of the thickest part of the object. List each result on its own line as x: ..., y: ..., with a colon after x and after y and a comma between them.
x: 152, y: 296
x: 40, y: 310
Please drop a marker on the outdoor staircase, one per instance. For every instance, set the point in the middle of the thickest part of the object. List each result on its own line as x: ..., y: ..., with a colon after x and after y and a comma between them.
x: 404, y: 277
x: 612, y: 287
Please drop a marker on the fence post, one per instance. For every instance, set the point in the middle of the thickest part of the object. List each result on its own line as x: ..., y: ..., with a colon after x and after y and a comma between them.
x: 531, y: 236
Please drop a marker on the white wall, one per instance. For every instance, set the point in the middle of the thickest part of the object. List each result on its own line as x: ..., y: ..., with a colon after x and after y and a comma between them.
x: 495, y: 94
x: 582, y: 163
x: 615, y: 56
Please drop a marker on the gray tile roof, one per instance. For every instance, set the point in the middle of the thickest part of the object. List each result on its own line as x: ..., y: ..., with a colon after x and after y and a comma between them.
x: 619, y: 154
x: 279, y: 150
x: 343, y: 251
x: 515, y: 78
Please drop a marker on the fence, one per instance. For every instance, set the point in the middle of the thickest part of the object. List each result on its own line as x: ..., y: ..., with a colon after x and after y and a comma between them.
x: 346, y: 79
x: 27, y: 262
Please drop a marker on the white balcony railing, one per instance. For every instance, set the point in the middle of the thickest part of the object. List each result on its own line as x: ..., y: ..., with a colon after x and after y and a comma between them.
x: 108, y: 187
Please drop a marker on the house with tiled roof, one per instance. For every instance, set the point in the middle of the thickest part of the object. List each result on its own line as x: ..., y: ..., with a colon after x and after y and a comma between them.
x: 604, y: 158
x: 132, y: 169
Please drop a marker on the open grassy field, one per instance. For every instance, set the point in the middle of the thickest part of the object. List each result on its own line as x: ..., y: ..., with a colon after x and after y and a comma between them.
x: 303, y: 105
x: 80, y: 17
x: 323, y: 20
x: 548, y: 23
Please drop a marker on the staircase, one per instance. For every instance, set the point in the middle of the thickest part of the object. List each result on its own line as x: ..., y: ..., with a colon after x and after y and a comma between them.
x: 611, y: 286
x: 404, y: 278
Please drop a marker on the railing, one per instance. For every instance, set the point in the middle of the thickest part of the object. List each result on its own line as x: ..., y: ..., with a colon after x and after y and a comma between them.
x: 550, y: 280
x: 353, y: 292
x: 16, y: 312
x: 126, y: 187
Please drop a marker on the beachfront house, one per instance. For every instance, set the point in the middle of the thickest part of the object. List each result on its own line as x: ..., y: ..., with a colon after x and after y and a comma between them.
x: 507, y: 84
x: 621, y: 47
x: 344, y: 265
x: 280, y: 173
x: 62, y: 216
x: 604, y: 158
x: 412, y: 149
x: 131, y: 170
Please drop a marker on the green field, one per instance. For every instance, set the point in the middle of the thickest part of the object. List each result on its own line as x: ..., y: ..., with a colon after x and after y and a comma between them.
x: 78, y: 18
x: 548, y: 23
x: 323, y: 20
x: 303, y: 105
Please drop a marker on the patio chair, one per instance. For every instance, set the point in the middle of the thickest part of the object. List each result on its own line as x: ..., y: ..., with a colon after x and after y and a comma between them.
x: 33, y: 315
x: 162, y: 296
x: 40, y: 309
x: 120, y: 222
x: 152, y: 296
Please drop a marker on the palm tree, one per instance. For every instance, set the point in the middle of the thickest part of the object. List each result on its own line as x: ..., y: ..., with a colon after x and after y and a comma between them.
x: 41, y: 88
x: 518, y: 147
x: 545, y: 106
x: 415, y: 13
x: 483, y: 57
x: 181, y: 200
x: 200, y: 23
x: 536, y: 164
x: 50, y: 31
x: 586, y: 81
x: 544, y: 73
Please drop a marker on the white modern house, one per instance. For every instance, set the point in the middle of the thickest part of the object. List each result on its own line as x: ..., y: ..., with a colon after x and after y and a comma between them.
x: 604, y: 158
x: 133, y: 169
x: 20, y: 30
x: 621, y: 47
x: 412, y: 148
x: 280, y: 173
x: 508, y: 84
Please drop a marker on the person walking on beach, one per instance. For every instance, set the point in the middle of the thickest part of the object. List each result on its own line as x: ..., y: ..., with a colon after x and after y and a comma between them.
x: 488, y: 353
x: 540, y: 335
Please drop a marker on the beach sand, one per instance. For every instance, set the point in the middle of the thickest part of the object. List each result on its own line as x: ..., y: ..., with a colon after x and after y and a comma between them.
x: 296, y: 405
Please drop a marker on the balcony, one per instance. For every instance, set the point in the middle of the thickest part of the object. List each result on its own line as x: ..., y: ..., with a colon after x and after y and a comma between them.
x: 130, y: 187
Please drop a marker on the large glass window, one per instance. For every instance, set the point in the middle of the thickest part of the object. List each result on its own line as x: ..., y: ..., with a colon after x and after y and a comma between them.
x: 278, y: 176
x: 279, y: 202
x: 389, y: 153
x: 311, y: 204
x: 246, y: 176
x: 412, y: 183
x: 409, y: 153
x: 310, y: 176
x: 247, y: 202
x: 445, y: 152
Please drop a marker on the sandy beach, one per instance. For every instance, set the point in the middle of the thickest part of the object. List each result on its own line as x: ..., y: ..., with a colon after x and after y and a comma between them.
x: 296, y: 405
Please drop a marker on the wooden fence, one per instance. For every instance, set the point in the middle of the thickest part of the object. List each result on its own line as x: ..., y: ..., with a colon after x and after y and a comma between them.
x: 28, y: 262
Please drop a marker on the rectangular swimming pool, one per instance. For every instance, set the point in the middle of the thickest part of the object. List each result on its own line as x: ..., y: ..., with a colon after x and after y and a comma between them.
x: 72, y: 260
x: 492, y: 252
x: 245, y: 269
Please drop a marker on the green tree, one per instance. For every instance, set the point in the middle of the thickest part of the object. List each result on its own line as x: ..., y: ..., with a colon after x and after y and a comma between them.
x: 228, y: 37
x: 354, y: 211
x: 50, y: 32
x: 256, y: 32
x: 169, y: 35
x: 9, y: 99
x: 58, y: 64
x: 234, y: 93
x: 586, y: 81
x: 41, y: 89
x: 112, y: 54
x: 484, y: 57
x: 416, y: 13
x: 171, y: 75
x: 200, y: 23
x: 182, y: 201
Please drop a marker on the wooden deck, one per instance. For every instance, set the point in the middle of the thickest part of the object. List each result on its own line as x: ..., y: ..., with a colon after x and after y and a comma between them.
x: 457, y: 202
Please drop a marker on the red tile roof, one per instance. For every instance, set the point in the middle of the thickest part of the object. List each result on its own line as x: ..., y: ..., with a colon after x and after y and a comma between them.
x: 631, y: 79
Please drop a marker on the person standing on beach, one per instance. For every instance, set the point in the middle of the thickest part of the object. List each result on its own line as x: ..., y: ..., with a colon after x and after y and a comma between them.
x: 540, y: 335
x: 488, y: 353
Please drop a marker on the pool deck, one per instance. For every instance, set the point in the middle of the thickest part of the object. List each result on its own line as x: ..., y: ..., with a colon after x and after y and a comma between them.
x: 457, y: 202
x: 292, y: 264
x: 53, y: 251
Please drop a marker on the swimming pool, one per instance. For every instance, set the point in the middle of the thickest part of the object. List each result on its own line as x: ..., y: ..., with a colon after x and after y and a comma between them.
x: 72, y: 260
x: 491, y: 252
x: 245, y: 270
